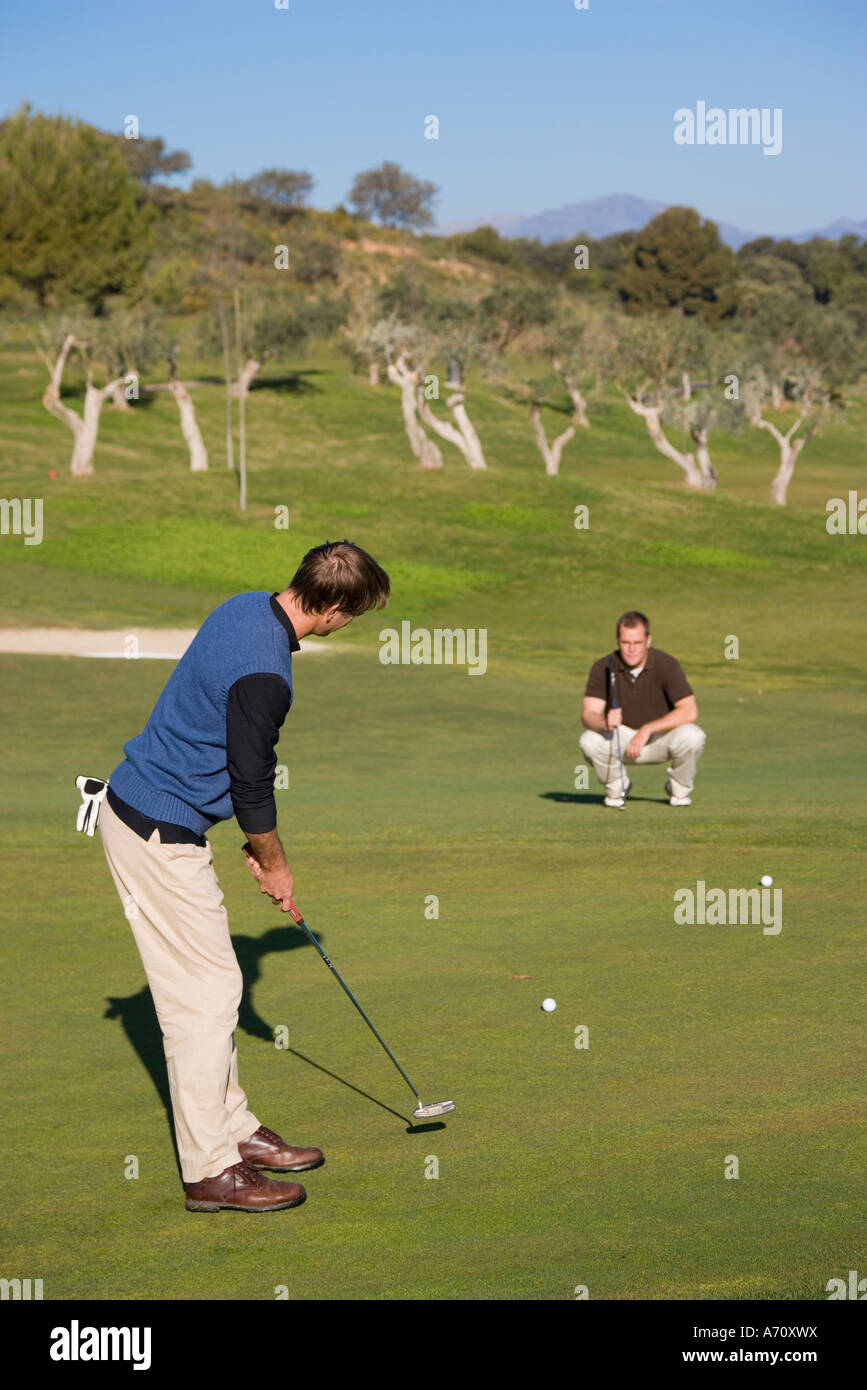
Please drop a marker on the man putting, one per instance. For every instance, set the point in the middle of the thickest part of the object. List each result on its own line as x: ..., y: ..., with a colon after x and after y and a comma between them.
x: 205, y: 754
x: 652, y: 706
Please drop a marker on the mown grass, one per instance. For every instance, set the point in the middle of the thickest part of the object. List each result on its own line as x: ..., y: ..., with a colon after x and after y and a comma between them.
x: 560, y: 1167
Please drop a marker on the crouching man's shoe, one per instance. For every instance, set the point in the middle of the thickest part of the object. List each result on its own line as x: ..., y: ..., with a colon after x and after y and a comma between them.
x: 242, y: 1188
x: 265, y: 1149
x: 619, y: 800
x: 676, y: 800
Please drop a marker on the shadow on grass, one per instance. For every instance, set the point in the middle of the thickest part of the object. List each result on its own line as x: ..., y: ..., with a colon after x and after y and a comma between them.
x: 294, y: 383
x: 141, y: 1026
x: 539, y: 398
x: 139, y: 1021
x: 138, y: 1018
x: 411, y: 1128
x: 250, y: 951
x: 592, y: 798
x: 70, y: 391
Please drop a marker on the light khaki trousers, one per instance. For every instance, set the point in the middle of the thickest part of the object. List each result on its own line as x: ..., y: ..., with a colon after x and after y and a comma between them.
x: 174, y: 905
x: 681, y: 748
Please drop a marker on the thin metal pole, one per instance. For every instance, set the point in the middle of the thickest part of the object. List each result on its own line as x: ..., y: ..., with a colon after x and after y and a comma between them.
x: 242, y: 419
x: 614, y: 705
x: 227, y: 372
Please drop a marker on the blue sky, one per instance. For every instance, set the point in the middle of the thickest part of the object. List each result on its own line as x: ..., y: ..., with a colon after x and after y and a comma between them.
x: 539, y: 104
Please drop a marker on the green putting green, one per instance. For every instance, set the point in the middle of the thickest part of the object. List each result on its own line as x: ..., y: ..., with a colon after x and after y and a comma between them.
x: 563, y: 1166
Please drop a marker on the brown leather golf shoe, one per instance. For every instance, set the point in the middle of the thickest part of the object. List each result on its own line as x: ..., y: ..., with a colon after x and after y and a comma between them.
x: 242, y: 1188
x: 265, y: 1149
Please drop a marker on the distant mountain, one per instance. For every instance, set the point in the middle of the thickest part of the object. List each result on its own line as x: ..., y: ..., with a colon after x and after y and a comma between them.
x: 834, y: 230
x: 621, y: 212
x: 599, y: 217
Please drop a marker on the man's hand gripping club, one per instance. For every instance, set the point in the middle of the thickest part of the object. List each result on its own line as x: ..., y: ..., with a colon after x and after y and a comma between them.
x: 266, y: 861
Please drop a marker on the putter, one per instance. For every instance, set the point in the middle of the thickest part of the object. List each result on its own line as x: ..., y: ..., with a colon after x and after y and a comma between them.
x: 614, y: 705
x: 422, y: 1112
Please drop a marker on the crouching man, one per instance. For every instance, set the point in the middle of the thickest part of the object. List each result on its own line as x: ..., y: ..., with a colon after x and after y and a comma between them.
x: 643, y: 694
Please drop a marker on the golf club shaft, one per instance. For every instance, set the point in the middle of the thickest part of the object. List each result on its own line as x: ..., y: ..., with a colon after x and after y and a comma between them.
x: 620, y: 759
x: 614, y: 705
x: 296, y: 915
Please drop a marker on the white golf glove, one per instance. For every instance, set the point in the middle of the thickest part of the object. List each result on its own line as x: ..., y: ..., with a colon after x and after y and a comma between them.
x: 93, y: 791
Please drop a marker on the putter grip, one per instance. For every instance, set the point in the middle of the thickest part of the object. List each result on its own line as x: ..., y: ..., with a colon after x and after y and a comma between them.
x: 294, y: 913
x: 614, y: 704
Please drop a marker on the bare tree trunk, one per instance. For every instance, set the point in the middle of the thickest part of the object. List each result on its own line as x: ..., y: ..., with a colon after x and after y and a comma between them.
x: 430, y: 454
x: 241, y: 387
x: 777, y: 397
x: 550, y: 452
x: 85, y: 428
x: 687, y: 388
x: 56, y: 370
x: 472, y: 445
x: 702, y: 454
x: 461, y: 434
x: 441, y: 427
x: 400, y: 374
x: 190, y: 427
x: 580, y: 405
x: 242, y: 401
x: 789, y: 451
x: 227, y: 373
x: 780, y: 484
x: 650, y: 415
x: 424, y: 449
x: 373, y: 374
x: 118, y: 399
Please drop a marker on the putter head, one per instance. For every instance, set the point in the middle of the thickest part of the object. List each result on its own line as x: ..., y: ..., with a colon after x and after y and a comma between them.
x: 439, y: 1107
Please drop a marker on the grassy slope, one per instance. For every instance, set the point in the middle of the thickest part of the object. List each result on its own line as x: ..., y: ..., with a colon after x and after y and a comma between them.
x: 560, y: 1167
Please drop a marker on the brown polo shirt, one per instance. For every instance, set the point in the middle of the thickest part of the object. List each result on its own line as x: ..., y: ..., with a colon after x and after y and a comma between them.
x: 649, y: 695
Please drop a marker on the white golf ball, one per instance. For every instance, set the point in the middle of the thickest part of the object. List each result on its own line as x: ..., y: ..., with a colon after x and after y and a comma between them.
x: 549, y: 1005
x: 766, y: 880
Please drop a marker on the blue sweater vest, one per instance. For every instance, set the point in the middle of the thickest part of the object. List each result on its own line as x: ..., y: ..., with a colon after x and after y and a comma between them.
x: 175, y: 769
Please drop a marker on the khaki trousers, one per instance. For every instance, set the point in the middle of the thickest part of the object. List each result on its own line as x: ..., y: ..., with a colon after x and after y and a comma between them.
x: 174, y: 905
x: 681, y: 748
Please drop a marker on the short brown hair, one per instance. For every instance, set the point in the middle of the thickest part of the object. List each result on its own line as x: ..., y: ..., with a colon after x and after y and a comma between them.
x: 633, y: 619
x: 340, y: 573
